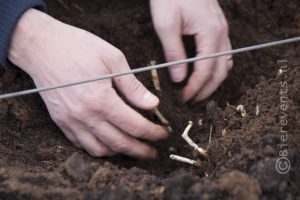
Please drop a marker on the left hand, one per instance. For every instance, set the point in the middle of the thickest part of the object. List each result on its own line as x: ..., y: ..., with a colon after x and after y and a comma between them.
x: 204, y: 20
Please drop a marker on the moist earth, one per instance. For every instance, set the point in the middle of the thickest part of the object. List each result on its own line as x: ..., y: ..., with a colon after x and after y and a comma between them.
x: 38, y: 162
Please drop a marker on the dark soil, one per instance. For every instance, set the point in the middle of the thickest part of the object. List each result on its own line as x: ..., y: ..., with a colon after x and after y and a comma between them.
x: 37, y: 161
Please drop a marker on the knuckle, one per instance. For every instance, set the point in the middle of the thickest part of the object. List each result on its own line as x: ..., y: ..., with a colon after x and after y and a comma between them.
x: 206, y: 75
x: 206, y: 78
x: 221, y: 76
x: 121, y: 146
x: 113, y: 56
x: 134, y: 86
x: 224, y: 28
x: 98, y: 152
x: 61, y: 119
x: 162, y: 26
x: 88, y: 97
x: 213, y: 27
x: 106, y: 103
x: 117, y: 55
x: 138, y: 130
x: 77, y: 112
x: 173, y: 55
x: 95, y: 101
x: 218, y: 28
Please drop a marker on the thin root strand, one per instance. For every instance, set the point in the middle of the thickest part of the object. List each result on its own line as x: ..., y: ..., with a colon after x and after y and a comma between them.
x: 162, y: 119
x: 190, y: 142
x: 155, y: 77
x: 209, y: 139
x: 185, y: 160
x: 257, y: 110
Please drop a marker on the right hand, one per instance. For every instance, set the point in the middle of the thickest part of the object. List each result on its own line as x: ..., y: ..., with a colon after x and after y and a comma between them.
x: 92, y: 115
x: 205, y: 20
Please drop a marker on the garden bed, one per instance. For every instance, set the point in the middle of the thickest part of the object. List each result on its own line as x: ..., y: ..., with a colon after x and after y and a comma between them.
x: 38, y: 162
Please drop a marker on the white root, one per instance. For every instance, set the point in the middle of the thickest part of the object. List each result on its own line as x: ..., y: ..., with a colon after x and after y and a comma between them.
x: 224, y: 132
x: 162, y: 119
x: 241, y: 109
x: 190, y: 142
x: 200, y: 122
x: 257, y: 110
x: 155, y: 78
x: 156, y: 83
x: 185, y: 160
x: 209, y: 139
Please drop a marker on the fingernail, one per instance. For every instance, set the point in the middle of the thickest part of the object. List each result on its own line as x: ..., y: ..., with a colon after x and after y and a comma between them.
x: 177, y: 74
x: 150, y: 99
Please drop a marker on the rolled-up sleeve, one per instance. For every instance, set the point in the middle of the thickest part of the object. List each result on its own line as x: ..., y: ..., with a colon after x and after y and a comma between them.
x: 10, y: 13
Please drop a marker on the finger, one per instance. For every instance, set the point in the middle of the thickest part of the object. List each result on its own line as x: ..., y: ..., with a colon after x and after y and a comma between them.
x: 219, y: 75
x: 131, y: 122
x: 230, y: 61
x: 202, y: 69
x: 134, y: 91
x: 122, y: 143
x: 174, y: 50
x: 92, y: 145
x: 70, y: 136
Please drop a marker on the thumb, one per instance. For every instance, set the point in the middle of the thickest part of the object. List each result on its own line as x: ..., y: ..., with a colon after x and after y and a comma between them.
x: 174, y: 50
x: 134, y: 91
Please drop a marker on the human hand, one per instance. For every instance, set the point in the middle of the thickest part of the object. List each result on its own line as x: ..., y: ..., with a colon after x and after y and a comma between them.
x: 204, y: 20
x: 92, y: 116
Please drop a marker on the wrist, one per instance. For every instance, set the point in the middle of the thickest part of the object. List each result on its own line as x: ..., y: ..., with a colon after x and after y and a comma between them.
x: 29, y: 34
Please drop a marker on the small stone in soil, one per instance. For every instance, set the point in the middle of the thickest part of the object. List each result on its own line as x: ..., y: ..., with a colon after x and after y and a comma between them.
x: 77, y: 168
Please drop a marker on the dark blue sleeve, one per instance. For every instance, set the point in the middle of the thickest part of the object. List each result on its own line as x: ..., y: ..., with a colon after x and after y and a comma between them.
x: 10, y: 13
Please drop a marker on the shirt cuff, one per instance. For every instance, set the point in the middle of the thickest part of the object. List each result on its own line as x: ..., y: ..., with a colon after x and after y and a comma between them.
x: 10, y: 13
